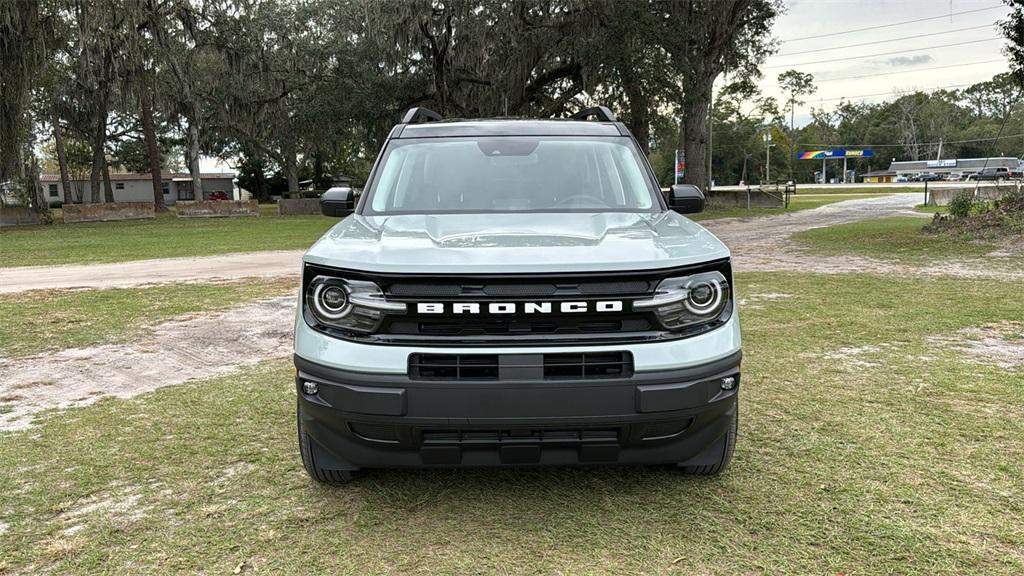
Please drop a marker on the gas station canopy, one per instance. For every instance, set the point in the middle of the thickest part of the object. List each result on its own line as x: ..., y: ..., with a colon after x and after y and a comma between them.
x: 825, y: 154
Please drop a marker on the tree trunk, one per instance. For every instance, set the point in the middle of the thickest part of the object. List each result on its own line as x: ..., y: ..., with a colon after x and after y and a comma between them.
x: 695, y: 140
x: 62, y: 157
x: 192, y: 155
x: 99, y: 137
x: 639, y: 115
x: 291, y: 168
x: 149, y: 131
x: 108, y: 190
x: 97, y: 165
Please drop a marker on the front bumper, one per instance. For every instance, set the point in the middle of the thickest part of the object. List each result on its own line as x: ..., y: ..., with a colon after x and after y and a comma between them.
x: 367, y: 420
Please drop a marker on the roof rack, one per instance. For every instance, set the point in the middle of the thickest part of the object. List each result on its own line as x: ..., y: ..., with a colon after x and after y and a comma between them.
x: 417, y: 115
x: 601, y: 113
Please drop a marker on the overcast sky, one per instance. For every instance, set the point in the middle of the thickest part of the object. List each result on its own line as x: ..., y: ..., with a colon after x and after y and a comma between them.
x: 908, y: 63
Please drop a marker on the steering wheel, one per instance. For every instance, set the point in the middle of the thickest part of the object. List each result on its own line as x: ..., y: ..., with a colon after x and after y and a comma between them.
x: 586, y: 200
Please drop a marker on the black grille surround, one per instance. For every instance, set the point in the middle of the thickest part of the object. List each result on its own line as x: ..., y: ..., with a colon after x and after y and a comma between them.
x: 519, y: 329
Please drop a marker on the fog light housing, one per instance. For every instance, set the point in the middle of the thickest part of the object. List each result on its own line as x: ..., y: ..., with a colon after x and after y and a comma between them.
x: 728, y: 383
x: 310, y: 388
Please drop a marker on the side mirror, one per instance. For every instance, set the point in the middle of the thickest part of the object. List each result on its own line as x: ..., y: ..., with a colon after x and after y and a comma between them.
x: 337, y: 202
x: 685, y: 199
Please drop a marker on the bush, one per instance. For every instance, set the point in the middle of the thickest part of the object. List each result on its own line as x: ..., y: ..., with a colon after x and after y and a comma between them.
x: 961, y: 204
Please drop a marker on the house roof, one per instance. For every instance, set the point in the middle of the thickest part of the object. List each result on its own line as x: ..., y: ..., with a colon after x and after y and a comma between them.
x: 123, y: 176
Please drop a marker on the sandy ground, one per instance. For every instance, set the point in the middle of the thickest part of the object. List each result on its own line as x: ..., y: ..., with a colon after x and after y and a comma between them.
x: 173, y: 352
x: 205, y: 346
x: 145, y: 272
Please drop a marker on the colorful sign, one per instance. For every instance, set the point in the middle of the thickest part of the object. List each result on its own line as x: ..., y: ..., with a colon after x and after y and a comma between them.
x: 680, y: 165
x: 942, y: 163
x: 823, y: 154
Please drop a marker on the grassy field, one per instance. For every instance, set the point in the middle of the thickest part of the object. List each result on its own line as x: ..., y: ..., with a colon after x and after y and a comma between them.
x: 40, y: 321
x: 865, y: 448
x: 164, y: 237
x: 167, y: 236
x: 898, y: 238
x: 796, y: 203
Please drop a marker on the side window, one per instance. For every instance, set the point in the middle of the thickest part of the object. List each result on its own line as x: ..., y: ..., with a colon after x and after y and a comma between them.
x: 53, y: 190
x: 119, y: 186
x: 166, y: 188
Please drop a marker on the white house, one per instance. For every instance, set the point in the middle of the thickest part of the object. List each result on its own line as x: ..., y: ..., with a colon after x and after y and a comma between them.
x: 131, y: 187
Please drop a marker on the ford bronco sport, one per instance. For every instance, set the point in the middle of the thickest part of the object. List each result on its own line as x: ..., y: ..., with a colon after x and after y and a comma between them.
x: 515, y: 292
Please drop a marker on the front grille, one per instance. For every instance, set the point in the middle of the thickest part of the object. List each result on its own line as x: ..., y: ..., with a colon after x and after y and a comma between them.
x: 450, y: 310
x: 560, y: 366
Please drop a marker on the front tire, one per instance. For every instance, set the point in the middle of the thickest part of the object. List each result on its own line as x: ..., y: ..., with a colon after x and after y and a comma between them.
x: 726, y: 457
x: 315, y: 472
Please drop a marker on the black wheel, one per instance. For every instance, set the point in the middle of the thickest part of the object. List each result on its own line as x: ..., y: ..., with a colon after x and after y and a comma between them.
x: 723, y: 462
x: 314, y: 471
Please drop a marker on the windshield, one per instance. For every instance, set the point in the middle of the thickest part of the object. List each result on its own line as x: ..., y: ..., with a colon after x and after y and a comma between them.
x: 510, y: 174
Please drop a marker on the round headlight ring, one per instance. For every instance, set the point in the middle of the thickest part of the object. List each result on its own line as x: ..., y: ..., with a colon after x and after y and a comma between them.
x: 711, y: 296
x: 330, y: 301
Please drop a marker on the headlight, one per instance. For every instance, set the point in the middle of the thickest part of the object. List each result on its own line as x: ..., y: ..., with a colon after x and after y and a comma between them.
x: 689, y: 300
x: 353, y: 305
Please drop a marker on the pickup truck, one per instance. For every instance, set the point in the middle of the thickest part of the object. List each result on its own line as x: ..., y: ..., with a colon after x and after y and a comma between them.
x: 515, y: 293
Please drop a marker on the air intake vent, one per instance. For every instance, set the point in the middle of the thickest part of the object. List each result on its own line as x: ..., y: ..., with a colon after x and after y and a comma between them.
x: 453, y: 366
x: 588, y: 365
x: 569, y: 366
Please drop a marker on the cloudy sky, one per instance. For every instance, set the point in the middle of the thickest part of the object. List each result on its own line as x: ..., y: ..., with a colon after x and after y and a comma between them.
x: 827, y: 38
x: 888, y: 57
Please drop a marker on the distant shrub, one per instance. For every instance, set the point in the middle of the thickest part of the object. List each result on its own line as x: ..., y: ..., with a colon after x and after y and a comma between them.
x: 961, y: 204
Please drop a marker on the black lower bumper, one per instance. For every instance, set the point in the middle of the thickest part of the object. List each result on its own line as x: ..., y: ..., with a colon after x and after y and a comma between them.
x: 358, y: 420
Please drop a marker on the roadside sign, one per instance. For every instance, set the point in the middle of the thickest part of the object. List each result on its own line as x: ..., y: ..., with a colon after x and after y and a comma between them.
x: 840, y: 153
x: 680, y: 165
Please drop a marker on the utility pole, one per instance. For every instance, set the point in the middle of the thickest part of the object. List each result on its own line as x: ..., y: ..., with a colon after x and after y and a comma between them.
x: 768, y: 157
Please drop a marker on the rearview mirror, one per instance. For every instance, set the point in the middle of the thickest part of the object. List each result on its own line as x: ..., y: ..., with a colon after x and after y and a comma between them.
x: 337, y: 202
x: 685, y: 199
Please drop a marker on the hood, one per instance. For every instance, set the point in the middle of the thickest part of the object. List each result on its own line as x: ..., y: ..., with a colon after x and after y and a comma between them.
x: 515, y: 243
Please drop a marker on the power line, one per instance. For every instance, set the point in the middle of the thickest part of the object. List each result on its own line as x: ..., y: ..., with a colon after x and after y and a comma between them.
x: 866, y: 56
x: 818, y: 80
x: 893, y: 93
x: 891, y: 25
x: 883, y: 41
x: 944, y: 142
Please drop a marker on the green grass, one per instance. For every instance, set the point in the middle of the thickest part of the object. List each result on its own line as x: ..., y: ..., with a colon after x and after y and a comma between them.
x: 896, y: 238
x: 40, y: 321
x: 796, y: 203
x: 164, y: 237
x: 909, y: 463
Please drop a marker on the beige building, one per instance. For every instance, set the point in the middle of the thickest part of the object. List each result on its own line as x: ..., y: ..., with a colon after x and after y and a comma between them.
x: 131, y: 187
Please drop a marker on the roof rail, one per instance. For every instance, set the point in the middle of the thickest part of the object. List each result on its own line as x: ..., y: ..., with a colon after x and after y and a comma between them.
x: 601, y: 113
x: 417, y: 115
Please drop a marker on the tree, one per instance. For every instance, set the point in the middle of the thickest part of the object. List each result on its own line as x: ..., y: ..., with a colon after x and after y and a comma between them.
x: 796, y: 84
x: 1013, y: 30
x: 705, y: 38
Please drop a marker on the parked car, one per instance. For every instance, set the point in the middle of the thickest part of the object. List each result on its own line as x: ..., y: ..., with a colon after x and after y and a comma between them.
x: 931, y: 177
x: 954, y: 177
x: 902, y: 178
x: 515, y: 292
x: 995, y: 173
x: 219, y: 196
x: 1015, y: 173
